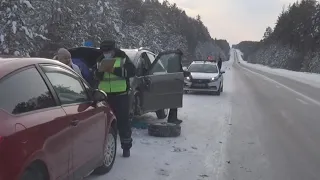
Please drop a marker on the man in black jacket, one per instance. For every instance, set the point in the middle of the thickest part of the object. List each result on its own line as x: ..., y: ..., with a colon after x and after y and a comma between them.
x: 220, y: 63
x: 115, y: 82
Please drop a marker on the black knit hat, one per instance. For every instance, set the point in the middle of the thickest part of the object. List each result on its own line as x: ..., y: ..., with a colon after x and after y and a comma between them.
x: 107, y: 45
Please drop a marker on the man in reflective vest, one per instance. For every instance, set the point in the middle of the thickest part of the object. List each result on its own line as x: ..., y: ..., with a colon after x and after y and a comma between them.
x: 115, y: 82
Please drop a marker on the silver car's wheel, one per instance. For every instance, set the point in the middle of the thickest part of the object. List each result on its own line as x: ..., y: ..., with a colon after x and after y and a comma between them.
x: 162, y: 114
x: 109, y: 153
x: 164, y: 129
x: 136, y: 105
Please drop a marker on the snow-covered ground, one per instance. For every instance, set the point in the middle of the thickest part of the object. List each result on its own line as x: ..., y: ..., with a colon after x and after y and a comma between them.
x: 197, y: 154
x: 201, y: 150
x: 304, y: 77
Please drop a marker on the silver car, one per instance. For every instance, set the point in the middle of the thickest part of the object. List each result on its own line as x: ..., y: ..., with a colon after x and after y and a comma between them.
x: 155, y: 88
x: 205, y: 77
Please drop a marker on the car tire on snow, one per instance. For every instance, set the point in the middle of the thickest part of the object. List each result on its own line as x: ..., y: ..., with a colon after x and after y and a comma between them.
x: 164, y: 129
x: 35, y: 172
x: 109, y: 153
x: 162, y: 113
x: 219, y: 90
x: 32, y: 174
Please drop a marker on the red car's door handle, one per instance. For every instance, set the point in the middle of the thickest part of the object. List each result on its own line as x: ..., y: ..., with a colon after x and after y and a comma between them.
x: 74, y: 122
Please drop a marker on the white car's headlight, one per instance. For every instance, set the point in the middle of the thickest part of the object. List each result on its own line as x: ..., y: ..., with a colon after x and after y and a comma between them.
x: 215, y: 78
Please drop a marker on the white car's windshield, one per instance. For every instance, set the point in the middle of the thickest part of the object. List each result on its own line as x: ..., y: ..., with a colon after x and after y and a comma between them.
x: 204, y: 68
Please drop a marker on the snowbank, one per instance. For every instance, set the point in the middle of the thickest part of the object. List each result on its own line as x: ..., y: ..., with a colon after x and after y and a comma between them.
x: 304, y: 77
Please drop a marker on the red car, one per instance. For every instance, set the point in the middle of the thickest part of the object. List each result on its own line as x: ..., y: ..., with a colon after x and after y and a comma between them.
x: 52, y: 124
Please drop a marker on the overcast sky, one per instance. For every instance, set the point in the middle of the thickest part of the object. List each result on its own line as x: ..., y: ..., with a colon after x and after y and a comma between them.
x: 235, y: 20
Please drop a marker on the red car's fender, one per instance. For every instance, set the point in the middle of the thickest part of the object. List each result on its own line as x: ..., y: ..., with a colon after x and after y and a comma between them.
x: 37, y: 156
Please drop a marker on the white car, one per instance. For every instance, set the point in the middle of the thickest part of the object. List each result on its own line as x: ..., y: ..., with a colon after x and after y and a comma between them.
x: 205, y: 77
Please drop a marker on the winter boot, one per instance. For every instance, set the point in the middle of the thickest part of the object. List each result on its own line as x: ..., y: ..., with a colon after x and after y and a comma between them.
x: 173, y: 117
x: 126, y: 153
x: 175, y: 121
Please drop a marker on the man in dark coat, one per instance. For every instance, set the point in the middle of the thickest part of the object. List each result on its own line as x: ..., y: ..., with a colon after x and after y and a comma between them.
x: 220, y: 63
x: 115, y: 82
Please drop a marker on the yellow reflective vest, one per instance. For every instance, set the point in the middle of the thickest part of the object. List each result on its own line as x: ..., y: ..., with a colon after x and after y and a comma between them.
x: 112, y: 83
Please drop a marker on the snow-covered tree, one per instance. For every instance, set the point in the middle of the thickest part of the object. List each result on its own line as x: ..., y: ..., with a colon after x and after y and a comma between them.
x: 21, y: 27
x: 267, y: 33
x: 44, y: 26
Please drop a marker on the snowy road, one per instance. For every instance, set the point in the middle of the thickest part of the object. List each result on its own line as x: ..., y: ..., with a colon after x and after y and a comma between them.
x: 196, y: 154
x: 264, y: 126
x: 275, y: 132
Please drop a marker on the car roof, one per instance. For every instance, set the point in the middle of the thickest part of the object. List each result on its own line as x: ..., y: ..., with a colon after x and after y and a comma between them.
x: 132, y: 53
x: 130, y: 50
x: 204, y: 62
x: 138, y: 50
x: 8, y: 65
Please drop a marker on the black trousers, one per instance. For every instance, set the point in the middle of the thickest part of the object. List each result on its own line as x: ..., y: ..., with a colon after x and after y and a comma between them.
x: 120, y: 106
x: 173, y: 114
x: 219, y: 65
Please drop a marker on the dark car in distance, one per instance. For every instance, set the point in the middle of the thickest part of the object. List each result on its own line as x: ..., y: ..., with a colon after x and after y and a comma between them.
x: 53, y: 125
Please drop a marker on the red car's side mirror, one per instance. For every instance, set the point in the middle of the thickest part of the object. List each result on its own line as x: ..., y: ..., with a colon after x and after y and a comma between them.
x: 99, y: 95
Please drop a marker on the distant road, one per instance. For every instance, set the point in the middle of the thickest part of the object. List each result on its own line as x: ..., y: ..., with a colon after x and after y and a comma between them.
x: 275, y: 133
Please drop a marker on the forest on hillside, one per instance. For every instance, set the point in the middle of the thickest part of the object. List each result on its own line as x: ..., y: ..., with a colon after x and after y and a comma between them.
x: 43, y: 26
x: 224, y: 45
x: 294, y: 42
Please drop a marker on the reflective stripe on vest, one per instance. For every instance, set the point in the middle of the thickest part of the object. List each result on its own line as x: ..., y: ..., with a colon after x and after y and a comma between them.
x: 112, y: 83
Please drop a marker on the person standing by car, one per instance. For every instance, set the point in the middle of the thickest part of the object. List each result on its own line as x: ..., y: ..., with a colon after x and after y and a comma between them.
x: 64, y: 56
x: 115, y: 82
x: 219, y: 63
x: 174, y: 67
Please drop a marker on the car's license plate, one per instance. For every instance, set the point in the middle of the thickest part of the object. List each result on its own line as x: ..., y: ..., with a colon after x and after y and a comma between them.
x: 199, y: 85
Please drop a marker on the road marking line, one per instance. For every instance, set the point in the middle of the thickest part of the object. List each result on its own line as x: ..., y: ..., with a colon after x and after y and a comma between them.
x: 302, y: 101
x: 284, y: 86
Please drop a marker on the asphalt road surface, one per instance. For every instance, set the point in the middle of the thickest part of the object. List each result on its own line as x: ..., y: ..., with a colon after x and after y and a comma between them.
x: 275, y: 131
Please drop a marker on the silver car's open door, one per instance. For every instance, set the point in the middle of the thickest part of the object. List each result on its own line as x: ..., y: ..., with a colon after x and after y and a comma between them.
x: 163, y: 86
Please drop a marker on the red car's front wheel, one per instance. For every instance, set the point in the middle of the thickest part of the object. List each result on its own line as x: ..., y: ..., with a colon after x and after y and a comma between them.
x: 109, y: 153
